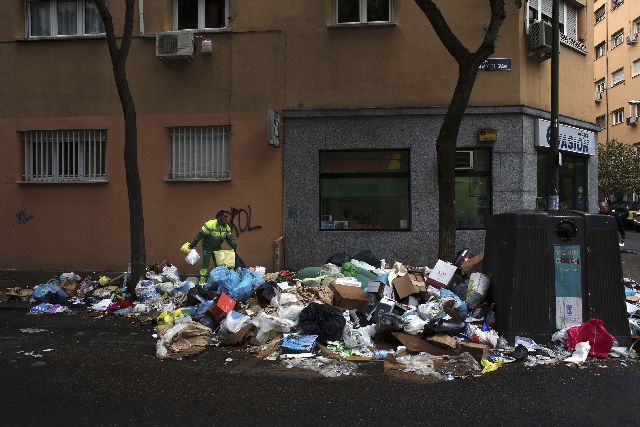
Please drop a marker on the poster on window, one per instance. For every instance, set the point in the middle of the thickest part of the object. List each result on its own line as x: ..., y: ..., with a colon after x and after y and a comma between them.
x: 568, y: 285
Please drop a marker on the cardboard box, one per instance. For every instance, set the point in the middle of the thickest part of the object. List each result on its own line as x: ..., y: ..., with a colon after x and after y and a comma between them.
x: 237, y: 338
x: 418, y: 345
x: 473, y: 264
x: 409, y: 284
x: 441, y: 274
x: 478, y: 351
x: 221, y: 308
x: 443, y: 340
x: 348, y: 297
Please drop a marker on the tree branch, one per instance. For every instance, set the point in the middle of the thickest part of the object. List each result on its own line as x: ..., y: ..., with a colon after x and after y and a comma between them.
x: 444, y: 32
x: 498, y: 15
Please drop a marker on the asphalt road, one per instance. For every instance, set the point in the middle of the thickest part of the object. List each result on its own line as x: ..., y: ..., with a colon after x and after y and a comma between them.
x: 103, y: 371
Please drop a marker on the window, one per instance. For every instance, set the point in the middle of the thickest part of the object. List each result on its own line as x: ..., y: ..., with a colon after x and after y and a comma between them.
x: 199, y: 14
x: 363, y: 11
x: 200, y: 153
x: 617, y: 39
x: 634, y: 110
x: 473, y: 188
x: 543, y: 10
x: 51, y: 18
x: 617, y: 116
x: 601, y: 121
x: 635, y: 26
x: 573, y: 180
x: 601, y: 85
x: 65, y: 155
x: 364, y: 190
x: 600, y: 14
x: 601, y: 49
x: 635, y: 68
x: 616, y: 3
x: 617, y: 77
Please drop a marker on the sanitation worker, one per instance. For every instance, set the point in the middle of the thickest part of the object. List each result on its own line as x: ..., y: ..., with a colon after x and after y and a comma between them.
x: 213, y: 233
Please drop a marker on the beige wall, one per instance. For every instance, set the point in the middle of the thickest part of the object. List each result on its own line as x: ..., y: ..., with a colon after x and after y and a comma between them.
x: 284, y: 54
x: 619, y: 57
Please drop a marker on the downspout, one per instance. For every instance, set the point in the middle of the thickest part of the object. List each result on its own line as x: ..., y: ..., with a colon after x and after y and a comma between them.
x: 141, y: 13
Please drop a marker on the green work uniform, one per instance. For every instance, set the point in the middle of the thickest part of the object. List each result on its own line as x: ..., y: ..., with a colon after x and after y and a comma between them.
x: 212, y: 236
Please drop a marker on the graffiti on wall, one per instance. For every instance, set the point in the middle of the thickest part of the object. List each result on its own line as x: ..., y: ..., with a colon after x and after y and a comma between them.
x: 241, y: 220
x: 22, y: 216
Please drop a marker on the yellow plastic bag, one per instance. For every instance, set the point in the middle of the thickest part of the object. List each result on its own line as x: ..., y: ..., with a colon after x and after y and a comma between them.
x: 165, y: 318
x: 225, y: 258
x: 186, y: 248
x: 103, y: 280
x: 489, y: 366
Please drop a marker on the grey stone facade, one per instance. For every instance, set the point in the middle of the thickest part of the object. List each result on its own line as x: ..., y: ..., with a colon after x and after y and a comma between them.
x: 514, y: 172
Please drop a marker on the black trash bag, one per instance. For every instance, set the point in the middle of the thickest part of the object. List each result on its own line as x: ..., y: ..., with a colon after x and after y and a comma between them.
x: 441, y: 326
x: 323, y: 320
x: 368, y: 257
x: 389, y: 322
x: 239, y: 262
x: 339, y: 259
x: 267, y: 291
x: 197, y: 294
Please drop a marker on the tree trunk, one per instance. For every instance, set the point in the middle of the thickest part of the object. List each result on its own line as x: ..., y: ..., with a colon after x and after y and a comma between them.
x: 446, y: 154
x: 134, y: 188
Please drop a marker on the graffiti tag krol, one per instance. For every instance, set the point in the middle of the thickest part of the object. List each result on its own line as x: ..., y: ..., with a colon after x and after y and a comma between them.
x: 22, y: 216
x: 241, y: 220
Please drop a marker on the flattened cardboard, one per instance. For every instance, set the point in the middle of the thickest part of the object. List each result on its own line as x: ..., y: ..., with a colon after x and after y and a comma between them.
x: 348, y: 297
x: 478, y: 351
x: 443, y: 340
x: 237, y: 338
x: 418, y: 345
x: 473, y: 264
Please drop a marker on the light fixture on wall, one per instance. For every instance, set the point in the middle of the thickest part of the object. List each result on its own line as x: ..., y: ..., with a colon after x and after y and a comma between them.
x: 206, y: 46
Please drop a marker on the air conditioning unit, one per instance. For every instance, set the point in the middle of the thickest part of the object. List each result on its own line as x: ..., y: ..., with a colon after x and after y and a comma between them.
x: 540, y: 36
x: 174, y: 44
x: 632, y: 121
x: 632, y: 38
x: 617, y: 3
x: 464, y: 160
x: 598, y: 95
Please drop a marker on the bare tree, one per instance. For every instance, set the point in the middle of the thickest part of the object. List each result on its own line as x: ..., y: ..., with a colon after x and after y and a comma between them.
x: 134, y: 190
x: 468, y: 63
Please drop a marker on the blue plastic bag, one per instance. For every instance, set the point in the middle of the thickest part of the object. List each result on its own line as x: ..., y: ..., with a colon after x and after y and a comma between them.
x: 49, y: 292
x: 222, y: 278
x: 298, y: 343
x: 146, y: 289
x: 460, y: 305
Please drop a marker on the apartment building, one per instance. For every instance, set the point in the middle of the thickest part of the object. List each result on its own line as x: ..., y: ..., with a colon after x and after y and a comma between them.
x: 312, y: 120
x: 617, y: 69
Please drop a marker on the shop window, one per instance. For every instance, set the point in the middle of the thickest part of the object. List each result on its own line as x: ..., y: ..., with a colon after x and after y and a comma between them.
x: 473, y: 188
x: 364, y: 190
x: 573, y: 180
x: 53, y: 18
x: 199, y: 14
x: 65, y: 155
x: 200, y: 153
x: 363, y: 11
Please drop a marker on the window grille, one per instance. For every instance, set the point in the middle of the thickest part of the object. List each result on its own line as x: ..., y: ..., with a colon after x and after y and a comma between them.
x: 200, y: 153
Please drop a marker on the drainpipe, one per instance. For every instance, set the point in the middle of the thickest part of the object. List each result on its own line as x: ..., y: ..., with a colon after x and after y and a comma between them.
x: 141, y: 13
x: 554, y: 182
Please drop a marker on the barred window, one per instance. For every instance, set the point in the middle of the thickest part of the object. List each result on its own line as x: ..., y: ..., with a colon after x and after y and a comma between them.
x: 65, y: 155
x: 200, y: 153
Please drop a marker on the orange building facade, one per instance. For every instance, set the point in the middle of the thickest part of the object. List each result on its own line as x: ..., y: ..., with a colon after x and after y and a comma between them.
x: 251, y: 106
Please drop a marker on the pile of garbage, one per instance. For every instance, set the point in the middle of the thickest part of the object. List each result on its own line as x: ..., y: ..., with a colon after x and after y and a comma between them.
x: 435, y: 322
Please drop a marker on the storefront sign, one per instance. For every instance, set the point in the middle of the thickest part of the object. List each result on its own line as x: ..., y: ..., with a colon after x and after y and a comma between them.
x: 273, y: 137
x: 488, y: 135
x: 568, y: 285
x: 496, y: 64
x: 572, y: 139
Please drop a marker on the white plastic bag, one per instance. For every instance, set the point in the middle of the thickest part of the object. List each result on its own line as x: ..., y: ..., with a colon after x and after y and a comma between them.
x: 266, y: 324
x: 415, y: 324
x: 291, y: 312
x: 192, y: 257
x: 233, y: 322
x: 356, y: 338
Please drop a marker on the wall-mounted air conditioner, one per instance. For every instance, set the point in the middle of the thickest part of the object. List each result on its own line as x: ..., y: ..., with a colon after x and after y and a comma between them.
x: 632, y: 121
x: 174, y: 44
x: 632, y: 38
x: 464, y: 160
x: 540, y: 36
x: 598, y: 95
